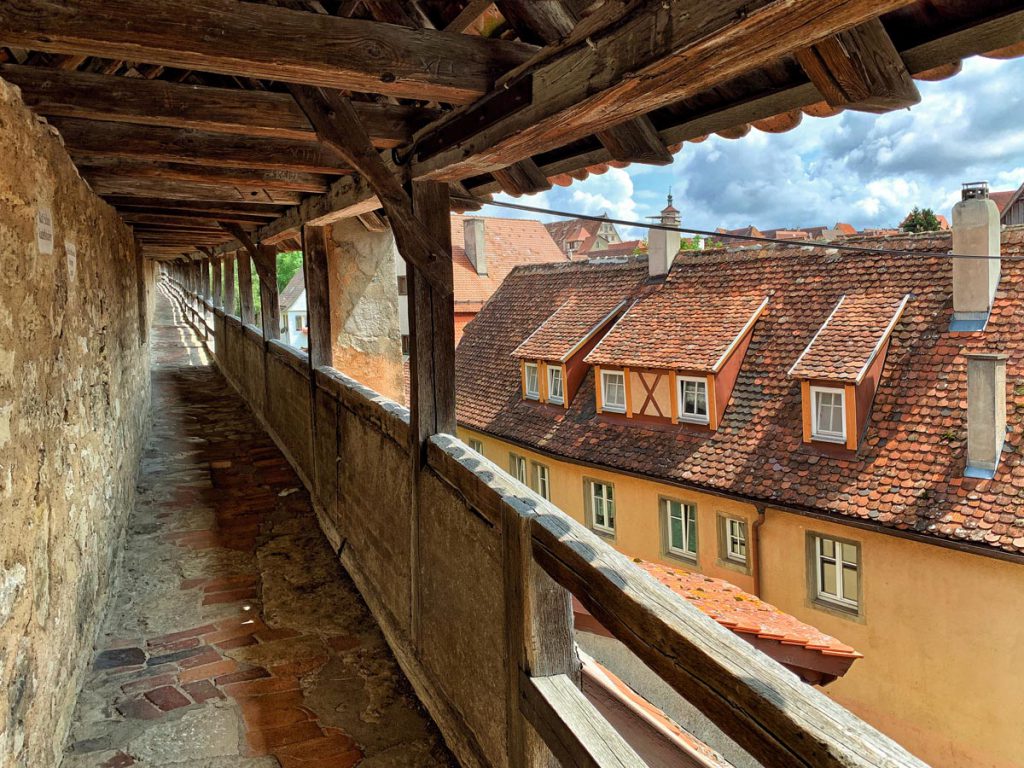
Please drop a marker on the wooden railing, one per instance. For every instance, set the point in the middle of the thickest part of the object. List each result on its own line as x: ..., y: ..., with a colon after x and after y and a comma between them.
x: 473, y: 589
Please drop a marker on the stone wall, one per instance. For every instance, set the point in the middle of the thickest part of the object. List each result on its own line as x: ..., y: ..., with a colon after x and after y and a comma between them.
x: 364, y: 312
x: 74, y: 393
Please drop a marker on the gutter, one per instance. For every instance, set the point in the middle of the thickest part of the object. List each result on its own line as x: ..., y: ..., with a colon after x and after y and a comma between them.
x: 755, y: 539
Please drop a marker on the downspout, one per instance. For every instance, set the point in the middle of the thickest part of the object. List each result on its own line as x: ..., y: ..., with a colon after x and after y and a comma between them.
x: 755, y: 538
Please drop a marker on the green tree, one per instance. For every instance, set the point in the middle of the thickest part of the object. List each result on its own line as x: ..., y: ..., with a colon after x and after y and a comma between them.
x: 921, y: 220
x: 288, y: 263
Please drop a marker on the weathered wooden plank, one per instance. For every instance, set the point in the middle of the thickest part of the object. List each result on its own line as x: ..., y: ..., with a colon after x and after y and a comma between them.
x: 644, y: 56
x: 338, y: 127
x: 216, y: 291
x: 262, y: 41
x: 229, y: 284
x: 97, y: 169
x: 754, y: 700
x: 572, y: 727
x: 473, y: 10
x: 635, y: 141
x: 143, y: 215
x: 245, y: 300
x: 98, y: 139
x: 522, y: 178
x: 270, y: 310
x: 860, y: 69
x: 315, y: 257
x: 186, y: 191
x: 216, y: 110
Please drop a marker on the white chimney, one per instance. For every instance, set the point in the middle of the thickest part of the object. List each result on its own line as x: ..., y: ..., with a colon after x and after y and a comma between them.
x: 473, y: 230
x: 975, y: 233
x: 986, y: 413
x: 663, y: 245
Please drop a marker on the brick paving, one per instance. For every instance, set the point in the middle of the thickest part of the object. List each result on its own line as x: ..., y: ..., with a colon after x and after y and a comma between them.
x: 234, y: 639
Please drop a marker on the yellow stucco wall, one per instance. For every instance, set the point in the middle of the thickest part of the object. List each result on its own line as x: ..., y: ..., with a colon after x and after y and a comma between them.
x: 942, y: 631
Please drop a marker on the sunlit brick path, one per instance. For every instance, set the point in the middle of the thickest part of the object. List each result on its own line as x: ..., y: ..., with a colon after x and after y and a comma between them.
x: 234, y: 639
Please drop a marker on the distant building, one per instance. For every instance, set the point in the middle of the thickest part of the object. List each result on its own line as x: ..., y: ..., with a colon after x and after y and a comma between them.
x: 1010, y: 204
x: 583, y: 238
x: 294, y: 322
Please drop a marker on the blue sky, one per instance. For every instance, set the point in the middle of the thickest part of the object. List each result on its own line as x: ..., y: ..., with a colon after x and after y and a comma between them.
x: 868, y: 170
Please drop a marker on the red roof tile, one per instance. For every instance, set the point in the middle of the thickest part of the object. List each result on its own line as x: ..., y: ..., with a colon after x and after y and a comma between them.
x: 568, y: 327
x: 1002, y: 198
x: 850, y: 337
x: 908, y: 473
x: 669, y: 328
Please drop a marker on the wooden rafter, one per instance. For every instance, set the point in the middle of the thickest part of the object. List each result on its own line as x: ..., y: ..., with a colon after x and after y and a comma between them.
x: 338, y: 127
x: 215, y: 110
x: 112, y: 169
x: 261, y: 41
x: 599, y: 77
x: 183, y: 191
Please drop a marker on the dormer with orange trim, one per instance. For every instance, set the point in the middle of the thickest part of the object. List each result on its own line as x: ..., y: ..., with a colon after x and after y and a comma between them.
x: 840, y: 368
x: 551, y: 359
x: 663, y: 362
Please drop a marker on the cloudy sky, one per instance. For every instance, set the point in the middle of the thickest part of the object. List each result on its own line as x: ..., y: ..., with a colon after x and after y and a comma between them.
x: 867, y: 170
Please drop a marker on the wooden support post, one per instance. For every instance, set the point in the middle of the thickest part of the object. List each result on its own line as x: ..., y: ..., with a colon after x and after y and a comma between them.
x: 245, y: 287
x: 315, y: 252
x: 217, y: 298
x: 229, y: 284
x: 269, y: 309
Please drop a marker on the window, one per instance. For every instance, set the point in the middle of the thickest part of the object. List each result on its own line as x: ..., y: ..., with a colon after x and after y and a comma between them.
x: 693, y: 400
x: 403, y: 285
x: 681, y: 528
x: 556, y: 393
x: 405, y: 344
x: 613, y: 391
x: 298, y: 322
x: 736, y: 540
x: 532, y: 385
x: 601, y: 503
x: 836, y: 572
x: 828, y: 414
x: 517, y: 467
x: 542, y: 480
x: 476, y: 445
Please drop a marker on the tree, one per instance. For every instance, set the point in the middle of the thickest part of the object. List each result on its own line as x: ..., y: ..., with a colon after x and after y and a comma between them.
x: 288, y: 263
x: 921, y: 220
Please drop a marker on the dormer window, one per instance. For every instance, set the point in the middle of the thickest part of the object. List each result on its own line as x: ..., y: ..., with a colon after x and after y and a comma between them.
x: 531, y: 382
x: 613, y: 391
x: 693, y: 399
x: 828, y: 414
x: 556, y: 386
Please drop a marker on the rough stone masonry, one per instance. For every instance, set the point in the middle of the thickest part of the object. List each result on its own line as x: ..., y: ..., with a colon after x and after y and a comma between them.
x: 74, y: 393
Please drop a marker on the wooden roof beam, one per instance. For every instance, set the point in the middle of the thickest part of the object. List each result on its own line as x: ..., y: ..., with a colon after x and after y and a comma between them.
x: 98, y: 139
x: 208, y: 193
x: 621, y: 63
x: 113, y: 169
x: 262, y: 41
x: 215, y: 110
x: 160, y: 204
x: 860, y: 69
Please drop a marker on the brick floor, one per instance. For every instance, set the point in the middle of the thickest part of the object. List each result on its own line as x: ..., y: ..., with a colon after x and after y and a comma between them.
x: 233, y: 636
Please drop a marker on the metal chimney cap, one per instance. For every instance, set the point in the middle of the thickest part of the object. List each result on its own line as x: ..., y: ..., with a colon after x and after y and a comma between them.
x: 972, y: 190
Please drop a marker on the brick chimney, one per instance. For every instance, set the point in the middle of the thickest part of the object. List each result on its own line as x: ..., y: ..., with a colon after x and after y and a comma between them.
x: 473, y: 229
x: 975, y: 233
x: 662, y: 245
x: 986, y: 413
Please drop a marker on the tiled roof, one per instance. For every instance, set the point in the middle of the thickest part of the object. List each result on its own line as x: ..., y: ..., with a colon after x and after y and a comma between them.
x: 745, y: 613
x: 508, y: 243
x: 611, y: 250
x: 675, y: 329
x: 850, y: 337
x: 907, y: 473
x: 292, y: 291
x: 569, y: 325
x: 568, y: 230
x: 1001, y: 199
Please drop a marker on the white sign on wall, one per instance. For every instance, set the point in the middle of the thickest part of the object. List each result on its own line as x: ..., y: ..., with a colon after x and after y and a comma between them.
x: 44, y: 231
x: 72, y: 256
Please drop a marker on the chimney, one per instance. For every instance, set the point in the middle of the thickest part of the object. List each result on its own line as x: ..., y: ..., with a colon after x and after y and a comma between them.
x: 473, y: 229
x: 986, y: 413
x: 975, y: 233
x: 662, y: 245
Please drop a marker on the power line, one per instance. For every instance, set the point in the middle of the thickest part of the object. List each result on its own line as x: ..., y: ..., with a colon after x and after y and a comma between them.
x: 751, y: 238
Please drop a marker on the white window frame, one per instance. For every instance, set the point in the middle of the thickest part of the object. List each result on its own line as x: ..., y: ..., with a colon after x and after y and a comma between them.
x: 736, y: 537
x: 542, y: 480
x: 605, y: 405
x: 694, y: 418
x: 552, y: 371
x: 517, y: 467
x: 685, y: 508
x: 476, y: 445
x: 535, y: 394
x: 817, y: 434
x: 607, y: 506
x: 840, y: 599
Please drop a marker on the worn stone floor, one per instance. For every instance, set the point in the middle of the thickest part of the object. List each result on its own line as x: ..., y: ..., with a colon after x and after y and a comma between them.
x: 234, y: 638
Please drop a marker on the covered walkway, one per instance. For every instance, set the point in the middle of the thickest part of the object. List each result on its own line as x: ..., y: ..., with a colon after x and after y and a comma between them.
x: 234, y: 639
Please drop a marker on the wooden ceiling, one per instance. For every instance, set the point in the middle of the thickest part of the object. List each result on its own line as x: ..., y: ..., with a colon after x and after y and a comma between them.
x: 196, y: 117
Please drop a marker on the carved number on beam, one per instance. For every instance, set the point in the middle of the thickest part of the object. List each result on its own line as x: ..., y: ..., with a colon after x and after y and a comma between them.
x: 338, y: 127
x: 860, y: 69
